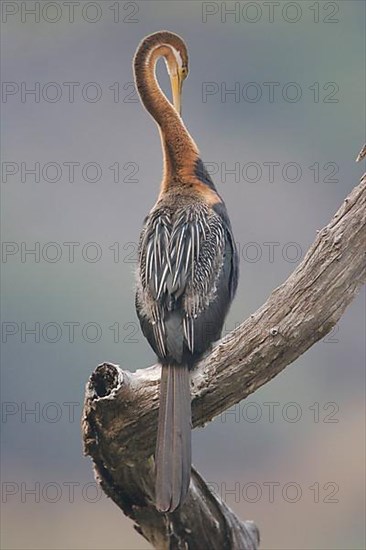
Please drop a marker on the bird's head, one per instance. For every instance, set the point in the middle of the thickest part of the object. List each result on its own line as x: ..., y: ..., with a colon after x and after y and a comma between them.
x: 177, y: 65
x: 173, y: 49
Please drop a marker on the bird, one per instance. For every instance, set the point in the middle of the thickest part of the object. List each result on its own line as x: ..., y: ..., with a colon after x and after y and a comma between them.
x: 187, y: 272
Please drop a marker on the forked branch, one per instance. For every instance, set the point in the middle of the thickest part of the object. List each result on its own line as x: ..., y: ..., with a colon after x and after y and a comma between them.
x: 120, y: 411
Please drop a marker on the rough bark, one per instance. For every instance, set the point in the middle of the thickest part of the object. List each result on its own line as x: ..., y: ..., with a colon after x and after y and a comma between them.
x: 120, y: 411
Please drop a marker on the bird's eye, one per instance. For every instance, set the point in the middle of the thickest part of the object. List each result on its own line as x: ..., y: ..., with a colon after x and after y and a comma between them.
x: 184, y: 71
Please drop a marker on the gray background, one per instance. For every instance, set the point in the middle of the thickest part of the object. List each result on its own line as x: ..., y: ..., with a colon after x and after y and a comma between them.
x: 233, y: 452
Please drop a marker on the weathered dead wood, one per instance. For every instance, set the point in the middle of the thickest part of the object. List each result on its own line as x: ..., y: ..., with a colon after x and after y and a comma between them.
x: 120, y: 411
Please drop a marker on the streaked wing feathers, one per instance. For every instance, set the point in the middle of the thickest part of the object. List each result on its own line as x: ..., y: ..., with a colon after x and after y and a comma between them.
x: 180, y: 258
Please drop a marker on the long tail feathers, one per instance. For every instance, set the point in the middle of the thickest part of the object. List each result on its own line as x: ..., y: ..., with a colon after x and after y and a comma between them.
x: 173, y: 444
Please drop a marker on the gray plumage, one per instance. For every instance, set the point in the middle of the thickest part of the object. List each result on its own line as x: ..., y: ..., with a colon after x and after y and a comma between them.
x: 186, y: 280
x: 181, y: 255
x: 173, y: 447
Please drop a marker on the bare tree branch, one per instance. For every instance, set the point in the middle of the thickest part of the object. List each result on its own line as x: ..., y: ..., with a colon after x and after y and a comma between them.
x: 120, y: 411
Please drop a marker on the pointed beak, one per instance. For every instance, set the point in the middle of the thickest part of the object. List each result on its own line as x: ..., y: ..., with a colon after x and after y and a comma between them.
x: 176, y: 83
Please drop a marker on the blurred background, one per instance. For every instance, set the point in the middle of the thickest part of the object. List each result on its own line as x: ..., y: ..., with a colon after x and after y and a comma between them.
x: 275, y: 101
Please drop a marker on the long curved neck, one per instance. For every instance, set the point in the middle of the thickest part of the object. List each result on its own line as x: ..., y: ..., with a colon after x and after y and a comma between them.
x: 179, y: 149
